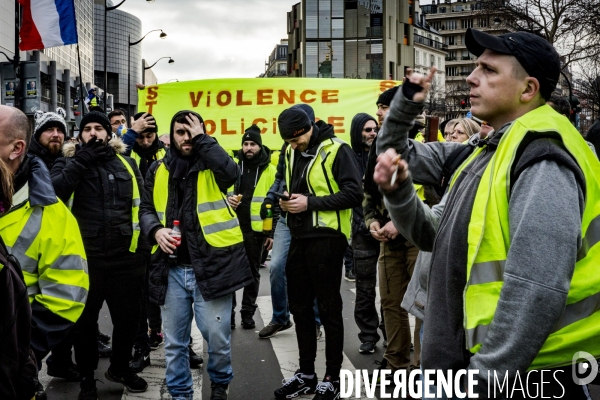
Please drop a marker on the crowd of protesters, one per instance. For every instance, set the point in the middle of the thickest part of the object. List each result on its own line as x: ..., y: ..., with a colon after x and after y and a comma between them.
x: 487, y: 236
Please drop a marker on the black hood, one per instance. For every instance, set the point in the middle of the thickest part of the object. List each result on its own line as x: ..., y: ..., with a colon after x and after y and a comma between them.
x: 321, y: 132
x: 358, y: 122
x: 263, y: 159
x: 171, y: 131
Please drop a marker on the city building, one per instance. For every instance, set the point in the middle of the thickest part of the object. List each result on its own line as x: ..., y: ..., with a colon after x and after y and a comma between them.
x: 430, y: 52
x: 54, y: 72
x: 277, y: 65
x: 120, y: 26
x: 356, y: 39
x: 452, y: 19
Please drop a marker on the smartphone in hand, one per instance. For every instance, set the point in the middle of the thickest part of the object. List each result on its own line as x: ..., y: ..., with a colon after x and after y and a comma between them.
x: 282, y: 196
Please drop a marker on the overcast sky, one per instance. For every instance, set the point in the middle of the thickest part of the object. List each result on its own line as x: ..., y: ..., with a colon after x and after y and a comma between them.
x: 211, y: 39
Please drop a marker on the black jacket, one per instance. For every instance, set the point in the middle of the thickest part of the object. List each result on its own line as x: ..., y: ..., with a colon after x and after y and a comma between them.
x: 103, y: 200
x: 17, y: 367
x: 219, y: 271
x: 346, y: 174
x: 148, y: 156
x: 36, y: 149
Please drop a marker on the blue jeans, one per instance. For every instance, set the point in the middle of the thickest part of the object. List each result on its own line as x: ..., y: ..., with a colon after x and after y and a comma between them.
x: 214, y: 321
x: 279, y: 254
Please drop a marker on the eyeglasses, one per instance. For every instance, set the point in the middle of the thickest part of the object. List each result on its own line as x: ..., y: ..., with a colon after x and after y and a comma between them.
x: 369, y: 130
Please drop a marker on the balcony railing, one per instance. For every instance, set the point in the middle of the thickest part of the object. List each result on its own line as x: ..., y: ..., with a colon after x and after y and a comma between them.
x: 430, y: 42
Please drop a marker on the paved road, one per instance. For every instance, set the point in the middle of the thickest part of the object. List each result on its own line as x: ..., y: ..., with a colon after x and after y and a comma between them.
x: 259, y: 365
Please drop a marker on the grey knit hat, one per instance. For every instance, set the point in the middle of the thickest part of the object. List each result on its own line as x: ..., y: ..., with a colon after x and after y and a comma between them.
x: 46, y: 120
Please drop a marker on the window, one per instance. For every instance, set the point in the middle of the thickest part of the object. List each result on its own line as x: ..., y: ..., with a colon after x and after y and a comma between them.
x: 451, y: 24
x: 466, y: 23
x: 417, y: 57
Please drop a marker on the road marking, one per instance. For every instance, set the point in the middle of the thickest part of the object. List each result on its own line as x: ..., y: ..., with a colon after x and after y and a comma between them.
x: 285, y: 347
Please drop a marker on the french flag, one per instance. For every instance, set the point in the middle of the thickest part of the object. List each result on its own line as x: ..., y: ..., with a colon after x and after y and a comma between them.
x: 47, y: 23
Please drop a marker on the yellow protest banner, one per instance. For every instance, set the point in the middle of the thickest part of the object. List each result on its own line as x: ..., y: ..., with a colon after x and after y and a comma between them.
x: 229, y: 106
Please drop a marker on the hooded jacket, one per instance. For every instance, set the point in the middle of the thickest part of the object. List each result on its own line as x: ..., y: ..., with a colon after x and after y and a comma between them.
x: 362, y: 158
x: 146, y: 156
x: 102, y: 200
x: 219, y: 271
x: 346, y: 174
x: 251, y: 171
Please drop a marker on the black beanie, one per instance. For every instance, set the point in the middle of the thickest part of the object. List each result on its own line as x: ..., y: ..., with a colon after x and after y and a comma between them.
x: 147, y: 130
x: 386, y: 97
x: 307, y: 109
x: 98, y: 117
x: 253, y: 134
x: 293, y: 122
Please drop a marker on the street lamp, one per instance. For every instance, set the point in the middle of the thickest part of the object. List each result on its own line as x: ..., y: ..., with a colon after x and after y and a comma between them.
x: 106, y: 10
x: 171, y: 61
x: 162, y: 36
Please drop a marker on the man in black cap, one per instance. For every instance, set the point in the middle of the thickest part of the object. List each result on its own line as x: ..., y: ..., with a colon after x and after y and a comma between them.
x: 103, y: 189
x: 258, y: 174
x: 510, y: 275
x: 323, y: 184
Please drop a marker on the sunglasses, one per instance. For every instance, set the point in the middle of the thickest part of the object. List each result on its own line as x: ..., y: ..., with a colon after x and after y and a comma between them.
x: 369, y: 130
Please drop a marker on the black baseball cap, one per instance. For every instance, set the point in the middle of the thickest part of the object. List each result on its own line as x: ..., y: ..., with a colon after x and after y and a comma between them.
x: 535, y: 54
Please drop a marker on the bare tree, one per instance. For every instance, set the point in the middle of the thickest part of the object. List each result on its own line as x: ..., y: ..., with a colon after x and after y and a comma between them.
x: 455, y: 93
x: 586, y: 84
x: 436, y: 97
x: 570, y: 25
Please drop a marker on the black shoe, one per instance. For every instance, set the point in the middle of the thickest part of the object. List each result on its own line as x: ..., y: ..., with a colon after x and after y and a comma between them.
x: 272, y: 329
x: 327, y: 390
x: 350, y: 276
x: 40, y: 392
x: 233, y: 320
x: 156, y: 339
x: 130, y: 380
x: 141, y: 360
x: 296, y: 386
x: 218, y: 391
x: 68, y: 373
x: 383, y: 364
x: 103, y: 337
x: 195, y: 360
x: 104, y: 350
x: 87, y: 389
x: 367, y: 348
x: 248, y: 321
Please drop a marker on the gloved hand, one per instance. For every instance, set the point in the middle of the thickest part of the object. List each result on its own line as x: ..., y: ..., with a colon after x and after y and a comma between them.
x: 263, y: 208
x: 91, y: 152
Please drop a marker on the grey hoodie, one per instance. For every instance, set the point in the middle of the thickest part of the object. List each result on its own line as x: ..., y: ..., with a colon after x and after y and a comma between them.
x: 545, y: 210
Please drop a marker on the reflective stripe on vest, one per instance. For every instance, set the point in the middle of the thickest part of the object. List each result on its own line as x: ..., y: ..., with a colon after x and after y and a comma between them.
x: 322, y: 183
x: 135, y: 206
x: 48, y: 245
x: 160, y: 154
x: 218, y: 222
x: 578, y: 329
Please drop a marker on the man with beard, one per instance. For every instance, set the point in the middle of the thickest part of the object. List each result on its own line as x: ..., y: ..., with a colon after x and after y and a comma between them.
x: 198, y: 274
x: 324, y: 185
x: 40, y: 232
x: 365, y: 247
x: 104, y: 190
x: 258, y: 174
x: 147, y: 148
x: 48, y: 136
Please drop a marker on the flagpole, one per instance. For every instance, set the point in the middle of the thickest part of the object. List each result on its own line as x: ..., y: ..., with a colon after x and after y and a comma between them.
x: 82, y: 88
x: 17, y: 57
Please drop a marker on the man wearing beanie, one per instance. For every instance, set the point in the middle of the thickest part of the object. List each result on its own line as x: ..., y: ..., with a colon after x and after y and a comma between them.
x: 363, y: 131
x: 48, y: 136
x: 103, y: 189
x: 198, y: 274
x: 397, y: 258
x: 513, y: 285
x: 323, y: 183
x: 258, y: 174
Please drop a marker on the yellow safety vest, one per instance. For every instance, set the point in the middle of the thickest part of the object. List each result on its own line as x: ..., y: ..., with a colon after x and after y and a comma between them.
x: 135, y: 206
x: 218, y: 222
x: 48, y: 245
x: 578, y: 329
x: 160, y: 154
x: 321, y: 183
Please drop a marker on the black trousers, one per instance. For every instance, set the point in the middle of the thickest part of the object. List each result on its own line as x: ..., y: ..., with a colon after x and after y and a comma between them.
x: 254, y: 243
x: 61, y: 356
x: 314, y: 269
x: 118, y: 281
x: 366, y: 253
x: 150, y: 315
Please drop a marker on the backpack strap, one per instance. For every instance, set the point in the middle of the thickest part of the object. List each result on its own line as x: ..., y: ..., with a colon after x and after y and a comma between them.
x: 454, y: 160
